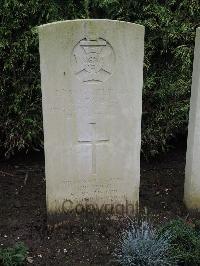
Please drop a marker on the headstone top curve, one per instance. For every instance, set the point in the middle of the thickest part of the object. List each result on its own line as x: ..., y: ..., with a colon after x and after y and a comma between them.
x: 90, y: 20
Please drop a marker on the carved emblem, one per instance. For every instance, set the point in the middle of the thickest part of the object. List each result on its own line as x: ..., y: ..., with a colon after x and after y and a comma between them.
x: 93, y: 60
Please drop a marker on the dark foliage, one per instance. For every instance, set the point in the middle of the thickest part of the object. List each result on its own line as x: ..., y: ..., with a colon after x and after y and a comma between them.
x: 14, y: 256
x: 185, y: 241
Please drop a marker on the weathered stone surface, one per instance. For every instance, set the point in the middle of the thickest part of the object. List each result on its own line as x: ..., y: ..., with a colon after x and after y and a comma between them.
x: 192, y: 173
x: 92, y: 75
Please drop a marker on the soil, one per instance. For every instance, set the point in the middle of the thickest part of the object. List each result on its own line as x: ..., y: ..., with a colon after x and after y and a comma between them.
x: 86, y: 240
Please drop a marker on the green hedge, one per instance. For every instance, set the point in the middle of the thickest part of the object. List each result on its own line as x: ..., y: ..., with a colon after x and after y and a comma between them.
x: 169, y: 42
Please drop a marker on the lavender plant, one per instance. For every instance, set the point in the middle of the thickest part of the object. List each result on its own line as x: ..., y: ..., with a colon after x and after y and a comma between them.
x: 140, y: 245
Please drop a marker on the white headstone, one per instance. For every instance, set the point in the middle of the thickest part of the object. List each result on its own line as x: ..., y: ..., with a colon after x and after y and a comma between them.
x: 92, y: 77
x: 192, y: 173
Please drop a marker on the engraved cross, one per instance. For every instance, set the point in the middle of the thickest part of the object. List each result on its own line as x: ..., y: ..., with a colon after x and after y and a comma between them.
x: 93, y: 142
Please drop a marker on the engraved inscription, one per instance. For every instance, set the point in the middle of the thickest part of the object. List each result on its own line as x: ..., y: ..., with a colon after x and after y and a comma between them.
x: 93, y: 60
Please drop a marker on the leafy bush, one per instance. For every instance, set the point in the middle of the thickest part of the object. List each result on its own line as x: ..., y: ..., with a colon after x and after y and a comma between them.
x: 13, y: 256
x: 141, y: 246
x: 185, y: 242
x: 170, y: 31
x: 20, y: 96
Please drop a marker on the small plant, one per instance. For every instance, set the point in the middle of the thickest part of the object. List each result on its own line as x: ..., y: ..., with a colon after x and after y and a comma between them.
x: 140, y: 245
x: 185, y: 241
x: 13, y: 256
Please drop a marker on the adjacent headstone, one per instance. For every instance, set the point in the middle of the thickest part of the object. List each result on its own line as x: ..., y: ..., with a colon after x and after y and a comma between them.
x: 192, y: 173
x: 92, y: 77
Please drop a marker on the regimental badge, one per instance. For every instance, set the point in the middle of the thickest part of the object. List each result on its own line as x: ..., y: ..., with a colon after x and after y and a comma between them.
x: 93, y: 60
